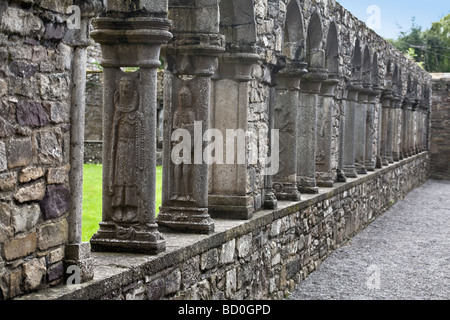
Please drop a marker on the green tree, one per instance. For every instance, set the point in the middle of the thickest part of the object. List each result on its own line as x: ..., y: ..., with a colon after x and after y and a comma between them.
x: 430, y: 48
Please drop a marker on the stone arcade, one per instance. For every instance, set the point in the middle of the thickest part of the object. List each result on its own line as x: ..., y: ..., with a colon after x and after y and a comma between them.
x: 352, y: 114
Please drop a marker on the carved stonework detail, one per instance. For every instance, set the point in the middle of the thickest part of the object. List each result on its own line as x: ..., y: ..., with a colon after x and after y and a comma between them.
x: 126, y: 143
x: 184, y: 118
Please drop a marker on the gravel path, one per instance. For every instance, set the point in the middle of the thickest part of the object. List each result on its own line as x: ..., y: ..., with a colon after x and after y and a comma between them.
x: 403, y: 255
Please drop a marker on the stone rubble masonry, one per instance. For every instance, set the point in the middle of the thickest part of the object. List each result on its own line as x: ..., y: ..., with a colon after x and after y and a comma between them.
x: 440, y: 128
x: 35, y: 71
x: 262, y: 258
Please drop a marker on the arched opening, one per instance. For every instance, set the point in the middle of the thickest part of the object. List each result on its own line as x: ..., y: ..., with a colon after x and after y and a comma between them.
x: 294, y: 33
x: 367, y: 67
x: 315, y: 54
x: 357, y: 62
x: 332, y: 50
x: 375, y: 71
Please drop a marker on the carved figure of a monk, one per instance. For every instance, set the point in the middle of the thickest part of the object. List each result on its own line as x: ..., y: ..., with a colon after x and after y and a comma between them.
x: 184, y: 118
x: 125, y: 153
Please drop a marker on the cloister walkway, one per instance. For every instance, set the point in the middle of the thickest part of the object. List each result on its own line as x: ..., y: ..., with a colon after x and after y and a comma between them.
x: 403, y: 255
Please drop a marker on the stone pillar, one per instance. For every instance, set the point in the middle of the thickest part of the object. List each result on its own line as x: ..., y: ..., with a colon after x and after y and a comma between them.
x: 325, y: 175
x: 386, y: 141
x: 269, y: 199
x: 77, y: 253
x: 310, y: 86
x: 192, y: 61
x: 340, y: 174
x: 286, y: 121
x: 130, y: 36
x: 228, y: 194
x: 349, y: 130
x: 372, y: 105
x: 405, y: 144
x: 396, y: 103
x: 360, y: 130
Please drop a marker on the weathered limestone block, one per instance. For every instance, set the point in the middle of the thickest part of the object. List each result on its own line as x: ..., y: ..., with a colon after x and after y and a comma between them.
x: 20, y: 247
x: 51, y: 235
x: 25, y: 218
x: 58, y: 175
x: 34, y: 192
x: 30, y: 173
x: 18, y: 21
x: 227, y: 252
x: 48, y: 146
x: 20, y: 153
x: 33, y: 272
x: 55, y: 202
x: 8, y: 181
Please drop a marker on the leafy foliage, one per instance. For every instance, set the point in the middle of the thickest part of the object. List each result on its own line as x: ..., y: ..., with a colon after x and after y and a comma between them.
x: 430, y: 48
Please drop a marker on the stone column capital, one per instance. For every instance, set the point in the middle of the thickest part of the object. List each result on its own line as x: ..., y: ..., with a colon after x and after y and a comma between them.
x: 312, y: 81
x: 374, y: 94
x: 194, y: 53
x: 329, y: 87
x: 290, y: 77
x: 237, y: 65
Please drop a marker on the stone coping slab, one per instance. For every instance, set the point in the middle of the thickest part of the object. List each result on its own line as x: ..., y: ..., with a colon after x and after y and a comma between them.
x: 113, y: 270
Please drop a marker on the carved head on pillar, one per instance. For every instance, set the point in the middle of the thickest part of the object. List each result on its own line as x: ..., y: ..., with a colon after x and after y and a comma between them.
x: 184, y: 97
x: 126, y: 95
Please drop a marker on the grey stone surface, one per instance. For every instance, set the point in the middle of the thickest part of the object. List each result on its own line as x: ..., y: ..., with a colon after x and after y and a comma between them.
x: 55, y: 202
x: 408, y: 248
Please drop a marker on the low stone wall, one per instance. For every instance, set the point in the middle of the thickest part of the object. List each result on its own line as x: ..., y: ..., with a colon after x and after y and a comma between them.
x: 265, y: 257
x: 440, y: 127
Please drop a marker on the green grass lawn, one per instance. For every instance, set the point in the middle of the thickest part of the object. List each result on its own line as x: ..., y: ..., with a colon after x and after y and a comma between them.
x: 92, y: 198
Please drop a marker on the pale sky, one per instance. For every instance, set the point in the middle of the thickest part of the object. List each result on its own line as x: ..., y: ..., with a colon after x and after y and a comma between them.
x: 396, y: 15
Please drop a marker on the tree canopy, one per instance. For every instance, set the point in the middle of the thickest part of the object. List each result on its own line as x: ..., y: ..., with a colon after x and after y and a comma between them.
x: 430, y: 48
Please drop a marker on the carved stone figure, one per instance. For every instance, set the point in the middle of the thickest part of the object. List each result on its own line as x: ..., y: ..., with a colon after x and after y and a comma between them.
x: 184, y: 118
x: 124, y: 153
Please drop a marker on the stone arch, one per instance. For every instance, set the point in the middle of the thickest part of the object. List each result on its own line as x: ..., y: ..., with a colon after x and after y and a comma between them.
x: 357, y: 62
x: 294, y: 32
x: 395, y: 79
x: 388, y: 81
x: 314, y: 52
x: 332, y: 50
x: 237, y: 23
x: 375, y: 71
x: 367, y: 67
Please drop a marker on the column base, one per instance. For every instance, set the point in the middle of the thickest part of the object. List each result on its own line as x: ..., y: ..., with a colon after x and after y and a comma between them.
x: 270, y: 200
x: 379, y: 163
x: 286, y: 191
x: 78, y: 255
x: 396, y: 157
x: 340, y: 176
x: 370, y: 166
x: 231, y: 207
x: 350, y: 172
x: 307, y: 185
x: 361, y: 169
x: 385, y: 162
x: 135, y: 238
x: 186, y: 219
x: 325, y: 179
